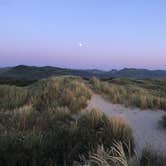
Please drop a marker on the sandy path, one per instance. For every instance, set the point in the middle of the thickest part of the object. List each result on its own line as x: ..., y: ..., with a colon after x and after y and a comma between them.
x: 147, y: 130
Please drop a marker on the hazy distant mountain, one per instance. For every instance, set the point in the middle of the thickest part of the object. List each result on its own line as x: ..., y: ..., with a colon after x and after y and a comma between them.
x: 33, y: 73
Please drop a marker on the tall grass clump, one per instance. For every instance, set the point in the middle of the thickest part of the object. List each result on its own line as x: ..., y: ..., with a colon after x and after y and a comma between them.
x: 122, y: 131
x: 61, y: 92
x: 104, y: 131
x: 114, y: 156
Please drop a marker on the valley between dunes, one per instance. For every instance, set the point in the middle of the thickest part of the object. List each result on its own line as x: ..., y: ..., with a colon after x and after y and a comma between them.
x: 145, y: 123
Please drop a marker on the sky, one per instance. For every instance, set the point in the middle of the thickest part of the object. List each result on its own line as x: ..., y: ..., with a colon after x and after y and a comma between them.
x: 85, y: 34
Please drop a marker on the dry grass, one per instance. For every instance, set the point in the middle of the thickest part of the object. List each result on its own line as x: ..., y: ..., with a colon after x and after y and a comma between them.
x: 114, y: 157
x: 120, y: 127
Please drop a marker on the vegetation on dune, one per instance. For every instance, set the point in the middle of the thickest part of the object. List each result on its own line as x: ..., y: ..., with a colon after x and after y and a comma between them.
x: 42, y: 125
x: 70, y: 92
x: 45, y: 138
x: 145, y: 94
x: 104, y: 131
x: 61, y: 92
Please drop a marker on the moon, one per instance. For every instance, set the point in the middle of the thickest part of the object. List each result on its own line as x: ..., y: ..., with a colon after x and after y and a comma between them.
x: 82, y: 44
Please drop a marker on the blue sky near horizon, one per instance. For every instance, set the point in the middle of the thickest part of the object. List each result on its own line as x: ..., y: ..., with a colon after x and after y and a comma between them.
x: 102, y: 34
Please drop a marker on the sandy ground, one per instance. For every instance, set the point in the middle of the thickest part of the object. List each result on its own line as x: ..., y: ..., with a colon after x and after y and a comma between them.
x: 145, y: 123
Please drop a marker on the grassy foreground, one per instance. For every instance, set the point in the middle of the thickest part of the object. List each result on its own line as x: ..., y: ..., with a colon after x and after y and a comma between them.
x: 42, y: 125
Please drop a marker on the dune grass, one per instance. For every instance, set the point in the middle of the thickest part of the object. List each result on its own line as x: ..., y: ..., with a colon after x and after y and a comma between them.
x: 145, y: 94
x: 29, y: 137
x: 68, y: 92
x: 42, y: 124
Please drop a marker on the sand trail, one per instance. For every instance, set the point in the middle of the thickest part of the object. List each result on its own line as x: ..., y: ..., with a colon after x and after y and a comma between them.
x: 145, y: 123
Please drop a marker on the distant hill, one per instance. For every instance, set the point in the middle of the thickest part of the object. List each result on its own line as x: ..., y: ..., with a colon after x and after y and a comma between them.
x: 4, y: 69
x: 139, y: 73
x: 35, y: 73
x: 32, y: 72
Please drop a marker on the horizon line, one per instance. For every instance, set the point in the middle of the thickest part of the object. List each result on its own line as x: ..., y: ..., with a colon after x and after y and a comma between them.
x: 72, y: 68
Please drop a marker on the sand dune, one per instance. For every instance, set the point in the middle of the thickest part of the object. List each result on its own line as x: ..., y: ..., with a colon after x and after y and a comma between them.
x: 145, y: 123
